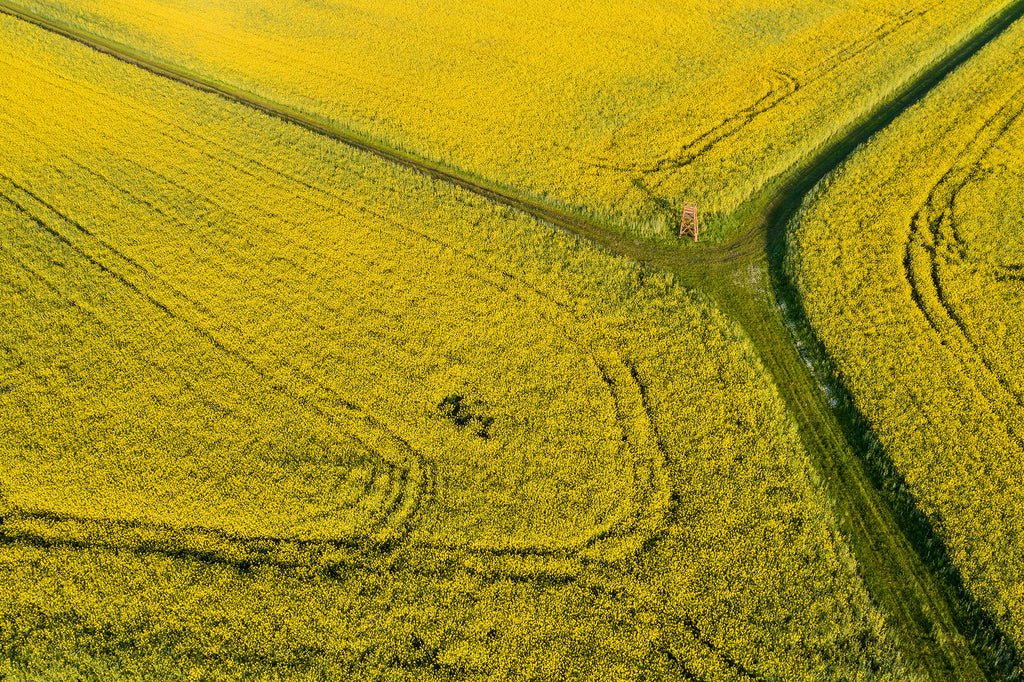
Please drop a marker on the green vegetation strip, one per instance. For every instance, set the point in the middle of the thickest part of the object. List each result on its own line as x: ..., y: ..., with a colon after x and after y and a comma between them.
x: 940, y: 627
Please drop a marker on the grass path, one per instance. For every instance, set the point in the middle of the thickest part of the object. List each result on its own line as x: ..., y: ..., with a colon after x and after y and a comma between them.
x: 904, y: 565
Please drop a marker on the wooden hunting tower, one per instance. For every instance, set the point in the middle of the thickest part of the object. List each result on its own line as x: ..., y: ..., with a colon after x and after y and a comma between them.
x: 688, y: 225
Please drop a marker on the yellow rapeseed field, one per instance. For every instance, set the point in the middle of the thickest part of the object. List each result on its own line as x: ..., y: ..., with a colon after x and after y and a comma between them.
x: 911, y: 262
x: 620, y: 111
x: 274, y: 409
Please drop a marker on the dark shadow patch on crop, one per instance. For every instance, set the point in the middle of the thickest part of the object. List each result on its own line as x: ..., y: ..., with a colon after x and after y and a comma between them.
x: 466, y: 413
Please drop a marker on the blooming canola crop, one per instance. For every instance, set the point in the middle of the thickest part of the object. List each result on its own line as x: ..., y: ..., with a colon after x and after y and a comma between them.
x: 620, y: 113
x: 910, y: 261
x: 272, y: 407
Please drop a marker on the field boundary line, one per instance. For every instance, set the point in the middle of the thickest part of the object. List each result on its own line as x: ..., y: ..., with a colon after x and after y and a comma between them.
x: 437, y: 171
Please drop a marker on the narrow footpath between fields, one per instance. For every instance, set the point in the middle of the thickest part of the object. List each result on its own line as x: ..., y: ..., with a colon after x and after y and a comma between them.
x: 939, y: 627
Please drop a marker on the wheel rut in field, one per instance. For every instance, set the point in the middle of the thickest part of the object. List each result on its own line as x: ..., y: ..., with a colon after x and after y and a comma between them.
x: 903, y: 577
x: 158, y: 287
x: 933, y: 239
x: 410, y: 477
